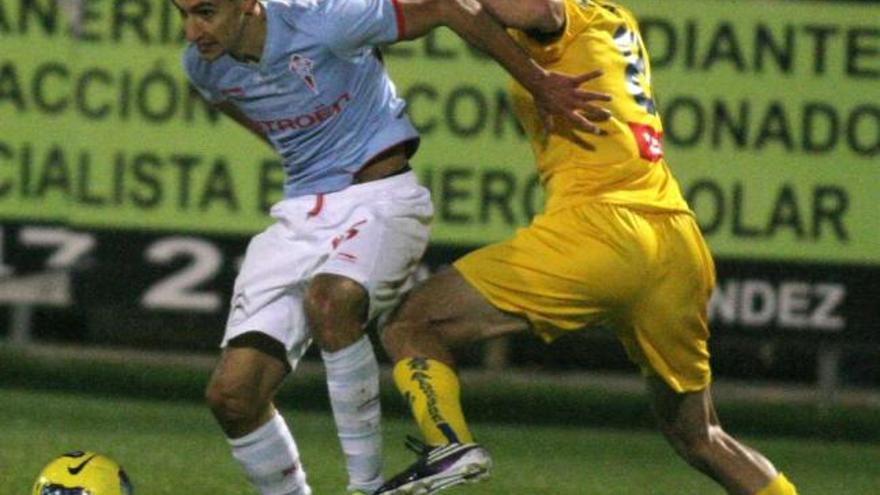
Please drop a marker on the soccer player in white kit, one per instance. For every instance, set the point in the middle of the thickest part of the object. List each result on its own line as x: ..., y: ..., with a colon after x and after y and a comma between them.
x: 304, y: 76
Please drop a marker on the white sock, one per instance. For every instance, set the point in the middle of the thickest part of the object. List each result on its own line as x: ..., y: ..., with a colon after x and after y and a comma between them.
x: 353, y: 383
x: 270, y: 459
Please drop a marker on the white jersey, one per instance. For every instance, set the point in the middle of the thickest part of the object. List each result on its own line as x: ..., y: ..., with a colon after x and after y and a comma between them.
x: 319, y: 92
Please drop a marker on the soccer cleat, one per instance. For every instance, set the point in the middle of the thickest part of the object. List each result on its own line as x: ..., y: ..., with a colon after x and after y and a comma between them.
x: 439, y: 468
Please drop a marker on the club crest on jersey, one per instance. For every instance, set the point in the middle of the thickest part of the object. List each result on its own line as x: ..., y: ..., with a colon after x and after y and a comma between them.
x: 303, y: 67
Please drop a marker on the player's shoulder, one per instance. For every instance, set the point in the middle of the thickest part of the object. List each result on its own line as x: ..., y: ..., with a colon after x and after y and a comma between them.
x: 293, y: 6
x: 202, y: 73
x: 297, y: 12
x: 602, y: 10
x: 196, y: 68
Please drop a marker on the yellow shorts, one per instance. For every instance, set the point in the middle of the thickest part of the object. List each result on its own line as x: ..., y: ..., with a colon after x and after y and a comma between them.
x: 647, y: 275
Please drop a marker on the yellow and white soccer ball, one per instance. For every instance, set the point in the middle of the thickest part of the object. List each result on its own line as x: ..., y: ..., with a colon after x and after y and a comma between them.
x: 82, y: 473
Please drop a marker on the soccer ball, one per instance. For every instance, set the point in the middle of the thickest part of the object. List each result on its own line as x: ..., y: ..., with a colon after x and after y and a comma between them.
x: 82, y: 473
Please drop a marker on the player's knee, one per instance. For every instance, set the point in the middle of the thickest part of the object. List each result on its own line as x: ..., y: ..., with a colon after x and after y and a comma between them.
x: 390, y: 339
x: 336, y: 308
x: 396, y: 337
x: 695, y: 444
x: 232, y: 408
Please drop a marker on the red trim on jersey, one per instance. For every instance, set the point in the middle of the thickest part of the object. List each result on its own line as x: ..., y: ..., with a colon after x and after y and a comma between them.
x: 401, y: 22
x: 319, y: 203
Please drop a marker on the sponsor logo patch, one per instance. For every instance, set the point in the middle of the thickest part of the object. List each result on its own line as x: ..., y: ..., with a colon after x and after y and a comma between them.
x: 649, y: 141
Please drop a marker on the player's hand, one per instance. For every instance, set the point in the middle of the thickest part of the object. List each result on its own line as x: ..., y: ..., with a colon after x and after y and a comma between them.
x: 560, y: 95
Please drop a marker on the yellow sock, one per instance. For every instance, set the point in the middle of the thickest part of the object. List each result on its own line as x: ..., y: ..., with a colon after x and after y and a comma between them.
x: 432, y: 391
x: 779, y: 486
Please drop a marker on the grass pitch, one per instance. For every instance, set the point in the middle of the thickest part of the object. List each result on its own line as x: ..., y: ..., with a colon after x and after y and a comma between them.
x: 175, y: 448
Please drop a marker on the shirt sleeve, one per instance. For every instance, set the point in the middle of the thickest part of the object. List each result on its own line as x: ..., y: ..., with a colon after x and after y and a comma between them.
x: 195, y: 70
x: 349, y: 26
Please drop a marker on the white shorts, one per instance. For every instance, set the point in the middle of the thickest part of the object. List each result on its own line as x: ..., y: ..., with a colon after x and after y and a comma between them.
x: 373, y: 233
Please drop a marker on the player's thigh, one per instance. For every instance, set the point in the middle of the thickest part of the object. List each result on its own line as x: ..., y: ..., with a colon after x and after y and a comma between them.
x: 568, y: 270
x: 448, y: 308
x: 268, y: 291
x: 384, y: 230
x: 666, y: 329
x: 268, y: 295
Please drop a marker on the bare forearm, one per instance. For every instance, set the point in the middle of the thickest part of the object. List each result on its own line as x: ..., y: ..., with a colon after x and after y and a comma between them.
x: 555, y: 94
x: 476, y: 25
x: 483, y: 31
x: 545, y: 16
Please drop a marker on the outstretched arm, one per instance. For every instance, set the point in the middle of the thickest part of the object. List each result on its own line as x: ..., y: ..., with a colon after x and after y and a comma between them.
x: 554, y: 93
x: 534, y: 16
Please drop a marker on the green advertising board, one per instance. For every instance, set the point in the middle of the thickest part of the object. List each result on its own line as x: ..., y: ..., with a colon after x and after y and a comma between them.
x: 771, y: 112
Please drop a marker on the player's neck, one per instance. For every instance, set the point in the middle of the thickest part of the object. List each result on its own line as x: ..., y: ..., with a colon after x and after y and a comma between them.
x: 253, y: 35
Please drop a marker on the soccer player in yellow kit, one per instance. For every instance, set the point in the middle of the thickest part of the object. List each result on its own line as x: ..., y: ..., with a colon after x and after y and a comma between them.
x: 617, y: 245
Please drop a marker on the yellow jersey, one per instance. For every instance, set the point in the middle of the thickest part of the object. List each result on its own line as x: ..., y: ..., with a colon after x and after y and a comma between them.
x: 625, y: 167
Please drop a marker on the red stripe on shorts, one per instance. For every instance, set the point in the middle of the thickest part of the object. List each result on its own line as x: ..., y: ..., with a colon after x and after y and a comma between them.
x: 319, y: 203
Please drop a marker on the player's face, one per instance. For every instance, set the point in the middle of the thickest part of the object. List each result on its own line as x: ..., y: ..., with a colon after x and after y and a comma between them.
x: 214, y: 26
